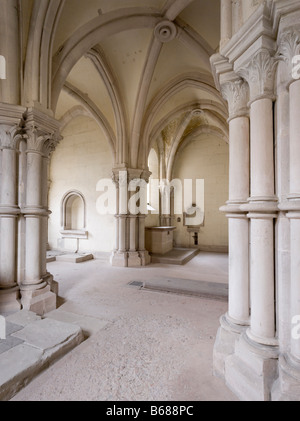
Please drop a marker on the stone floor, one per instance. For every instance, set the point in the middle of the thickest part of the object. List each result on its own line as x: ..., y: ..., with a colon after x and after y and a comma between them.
x: 141, y: 344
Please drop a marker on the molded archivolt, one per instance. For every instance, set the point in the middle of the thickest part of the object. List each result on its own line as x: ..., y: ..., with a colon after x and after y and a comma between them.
x: 38, y: 64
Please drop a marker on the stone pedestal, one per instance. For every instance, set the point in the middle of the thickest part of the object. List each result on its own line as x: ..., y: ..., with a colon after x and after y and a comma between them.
x: 251, y: 370
x: 159, y: 240
x: 39, y: 301
x: 287, y: 386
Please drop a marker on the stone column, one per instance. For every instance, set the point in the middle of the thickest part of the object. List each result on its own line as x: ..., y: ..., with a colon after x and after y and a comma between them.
x: 251, y: 370
x: 288, y: 385
x: 35, y: 287
x: 130, y: 250
x: 262, y: 208
x: 119, y: 256
x: 9, y: 212
x: 235, y: 91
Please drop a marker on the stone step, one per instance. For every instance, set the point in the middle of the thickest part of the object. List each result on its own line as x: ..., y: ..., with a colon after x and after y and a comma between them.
x: 177, y: 256
x: 32, y: 345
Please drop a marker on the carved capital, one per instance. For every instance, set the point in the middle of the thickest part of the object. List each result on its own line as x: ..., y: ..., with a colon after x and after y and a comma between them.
x: 41, y: 132
x: 10, y: 135
x: 260, y: 75
x: 236, y: 94
x: 123, y: 176
x: 288, y: 49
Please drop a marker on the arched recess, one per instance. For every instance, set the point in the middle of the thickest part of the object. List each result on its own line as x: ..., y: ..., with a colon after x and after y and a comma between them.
x: 73, y: 215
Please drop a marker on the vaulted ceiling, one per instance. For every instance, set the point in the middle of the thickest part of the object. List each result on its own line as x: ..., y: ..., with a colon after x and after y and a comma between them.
x: 137, y: 67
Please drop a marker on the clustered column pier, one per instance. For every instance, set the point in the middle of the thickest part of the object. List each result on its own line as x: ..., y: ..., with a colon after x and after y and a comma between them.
x: 28, y: 137
x: 130, y: 226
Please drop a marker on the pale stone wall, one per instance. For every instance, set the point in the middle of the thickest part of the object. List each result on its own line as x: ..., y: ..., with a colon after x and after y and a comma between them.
x: 79, y: 162
x: 205, y: 158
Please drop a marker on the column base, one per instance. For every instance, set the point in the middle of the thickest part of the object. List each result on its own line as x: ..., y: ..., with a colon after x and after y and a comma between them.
x: 251, y: 371
x: 145, y: 258
x: 224, y: 345
x: 10, y: 300
x: 50, y: 281
x: 287, y: 386
x: 119, y: 259
x: 39, y: 301
x: 134, y: 259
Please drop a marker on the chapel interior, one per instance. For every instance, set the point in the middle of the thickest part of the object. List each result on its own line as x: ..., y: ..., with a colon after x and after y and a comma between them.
x: 150, y: 171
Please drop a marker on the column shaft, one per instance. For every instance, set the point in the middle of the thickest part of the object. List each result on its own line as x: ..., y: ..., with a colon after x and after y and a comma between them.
x: 122, y: 233
x: 33, y: 275
x: 239, y: 159
x: 141, y: 232
x: 238, y: 305
x: 262, y: 150
x: 262, y: 279
x: 294, y: 139
x: 8, y: 219
x: 132, y: 238
x: 294, y: 214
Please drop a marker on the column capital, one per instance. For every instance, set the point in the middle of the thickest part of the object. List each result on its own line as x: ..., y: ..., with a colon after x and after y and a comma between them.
x: 10, y: 135
x: 41, y: 132
x: 288, y: 49
x: 236, y: 93
x: 259, y: 72
x: 126, y: 175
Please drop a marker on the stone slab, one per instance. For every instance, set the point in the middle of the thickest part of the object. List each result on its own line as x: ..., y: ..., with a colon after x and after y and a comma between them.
x: 16, y: 362
x: 74, y: 258
x: 47, y: 333
x: 31, y: 348
x: 8, y: 343
x: 191, y: 287
x: 89, y: 325
x: 23, y: 318
x: 12, y: 328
